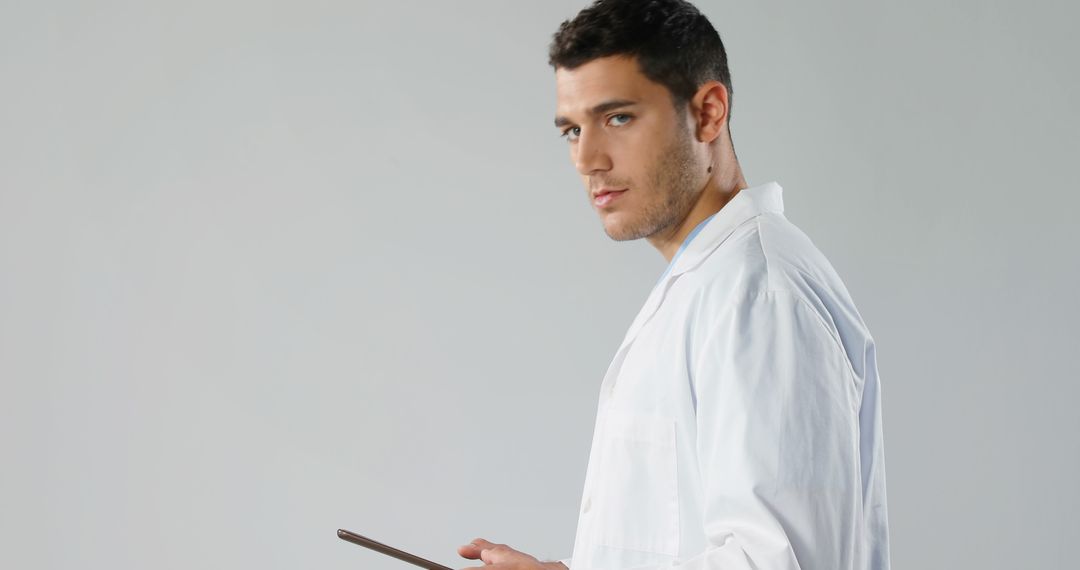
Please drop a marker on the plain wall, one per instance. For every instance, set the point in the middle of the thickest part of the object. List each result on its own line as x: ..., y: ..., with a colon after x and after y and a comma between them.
x: 269, y: 269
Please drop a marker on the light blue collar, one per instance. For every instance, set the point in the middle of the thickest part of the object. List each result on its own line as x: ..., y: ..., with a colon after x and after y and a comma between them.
x: 685, y: 242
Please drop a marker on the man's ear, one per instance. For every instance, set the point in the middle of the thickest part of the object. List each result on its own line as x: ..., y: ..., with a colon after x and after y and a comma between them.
x: 710, y: 108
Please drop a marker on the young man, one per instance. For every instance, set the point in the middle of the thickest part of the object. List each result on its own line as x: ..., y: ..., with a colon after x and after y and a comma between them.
x: 739, y: 424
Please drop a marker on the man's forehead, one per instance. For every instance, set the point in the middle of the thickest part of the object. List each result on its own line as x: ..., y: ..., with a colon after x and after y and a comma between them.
x: 601, y: 80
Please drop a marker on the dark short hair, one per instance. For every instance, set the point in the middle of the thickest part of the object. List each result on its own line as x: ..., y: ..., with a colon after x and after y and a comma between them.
x: 673, y: 42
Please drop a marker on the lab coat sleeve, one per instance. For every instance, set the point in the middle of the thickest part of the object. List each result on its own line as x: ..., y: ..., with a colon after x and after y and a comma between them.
x: 777, y: 440
x: 777, y: 410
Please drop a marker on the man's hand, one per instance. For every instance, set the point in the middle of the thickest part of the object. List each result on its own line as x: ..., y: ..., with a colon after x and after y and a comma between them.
x: 502, y: 557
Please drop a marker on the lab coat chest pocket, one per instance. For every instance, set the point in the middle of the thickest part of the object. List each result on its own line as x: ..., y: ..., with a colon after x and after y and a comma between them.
x: 637, y: 499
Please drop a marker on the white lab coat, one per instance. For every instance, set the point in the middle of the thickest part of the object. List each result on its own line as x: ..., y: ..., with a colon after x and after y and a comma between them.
x: 739, y: 424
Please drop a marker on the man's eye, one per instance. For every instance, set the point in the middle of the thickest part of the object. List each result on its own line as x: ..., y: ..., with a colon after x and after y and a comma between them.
x: 571, y: 135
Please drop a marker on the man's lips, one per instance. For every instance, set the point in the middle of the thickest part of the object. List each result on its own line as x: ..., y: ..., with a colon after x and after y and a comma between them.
x: 606, y: 195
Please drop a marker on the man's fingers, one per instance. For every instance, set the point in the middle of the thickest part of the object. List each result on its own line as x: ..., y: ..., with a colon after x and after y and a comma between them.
x: 489, y: 552
x: 492, y: 553
x: 495, y: 556
x: 469, y: 551
x: 474, y: 548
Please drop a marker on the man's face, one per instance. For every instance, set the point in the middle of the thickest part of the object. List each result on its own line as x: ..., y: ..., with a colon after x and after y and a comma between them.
x: 624, y: 134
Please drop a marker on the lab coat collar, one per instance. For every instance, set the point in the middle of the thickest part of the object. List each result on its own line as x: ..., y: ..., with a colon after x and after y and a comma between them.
x: 746, y: 204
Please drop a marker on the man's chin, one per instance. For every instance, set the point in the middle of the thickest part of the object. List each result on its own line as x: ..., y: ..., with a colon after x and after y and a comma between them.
x: 619, y: 237
x: 620, y: 232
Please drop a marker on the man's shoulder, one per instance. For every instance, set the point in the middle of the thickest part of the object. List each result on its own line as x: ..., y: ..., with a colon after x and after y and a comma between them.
x: 769, y: 268
x: 767, y: 253
x: 765, y: 258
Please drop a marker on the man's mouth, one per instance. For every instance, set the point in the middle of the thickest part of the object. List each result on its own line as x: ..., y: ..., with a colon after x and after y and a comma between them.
x: 606, y: 196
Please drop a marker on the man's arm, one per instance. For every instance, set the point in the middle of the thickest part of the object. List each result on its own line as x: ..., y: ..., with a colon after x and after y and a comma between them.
x: 778, y: 440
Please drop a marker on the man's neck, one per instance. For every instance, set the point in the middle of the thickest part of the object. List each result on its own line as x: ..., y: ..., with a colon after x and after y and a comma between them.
x: 714, y: 197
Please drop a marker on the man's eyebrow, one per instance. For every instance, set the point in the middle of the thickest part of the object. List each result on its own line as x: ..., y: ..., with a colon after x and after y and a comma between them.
x: 598, y: 109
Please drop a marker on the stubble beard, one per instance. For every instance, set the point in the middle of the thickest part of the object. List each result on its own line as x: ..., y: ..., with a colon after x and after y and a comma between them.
x: 675, y: 178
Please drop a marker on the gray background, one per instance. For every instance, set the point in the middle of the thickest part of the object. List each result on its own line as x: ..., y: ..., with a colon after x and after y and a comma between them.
x: 268, y: 269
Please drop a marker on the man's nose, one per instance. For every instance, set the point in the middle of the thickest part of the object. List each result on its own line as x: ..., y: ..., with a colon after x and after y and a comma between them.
x: 591, y: 153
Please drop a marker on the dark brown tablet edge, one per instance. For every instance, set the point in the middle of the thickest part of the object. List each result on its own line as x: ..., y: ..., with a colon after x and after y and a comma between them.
x: 389, y: 550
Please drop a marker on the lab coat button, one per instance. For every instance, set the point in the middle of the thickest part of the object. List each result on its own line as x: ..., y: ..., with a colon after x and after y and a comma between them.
x: 586, y: 505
